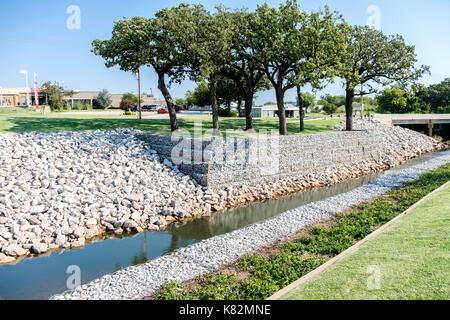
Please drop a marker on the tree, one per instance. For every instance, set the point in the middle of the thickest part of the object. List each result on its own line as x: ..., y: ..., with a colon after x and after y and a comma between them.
x: 242, y: 68
x: 227, y: 92
x: 200, y: 96
x: 56, y: 93
x: 139, y: 41
x: 309, y: 100
x: 321, y: 43
x: 336, y: 100
x: 437, y: 96
x: 180, y: 101
x: 206, y: 40
x: 128, y: 47
x: 393, y: 100
x: 126, y: 104
x: 329, y: 108
x: 131, y: 97
x: 104, y: 99
x: 373, y: 58
x: 274, y: 46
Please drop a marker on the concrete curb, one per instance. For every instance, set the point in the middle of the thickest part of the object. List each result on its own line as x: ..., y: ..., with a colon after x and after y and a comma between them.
x: 277, y: 295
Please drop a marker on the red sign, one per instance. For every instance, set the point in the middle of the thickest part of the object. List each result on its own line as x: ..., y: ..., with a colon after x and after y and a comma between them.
x: 38, y: 90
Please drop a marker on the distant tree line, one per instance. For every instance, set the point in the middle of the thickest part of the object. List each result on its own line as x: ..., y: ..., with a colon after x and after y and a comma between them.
x: 270, y: 48
x: 421, y: 99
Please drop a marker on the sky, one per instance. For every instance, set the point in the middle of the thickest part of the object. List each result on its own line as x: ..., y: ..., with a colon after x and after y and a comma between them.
x: 46, y: 37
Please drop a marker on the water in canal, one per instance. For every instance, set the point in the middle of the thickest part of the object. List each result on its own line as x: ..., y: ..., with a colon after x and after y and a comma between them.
x: 40, y: 277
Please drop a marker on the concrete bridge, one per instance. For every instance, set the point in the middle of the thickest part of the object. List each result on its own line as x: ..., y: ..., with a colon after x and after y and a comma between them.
x: 429, y: 122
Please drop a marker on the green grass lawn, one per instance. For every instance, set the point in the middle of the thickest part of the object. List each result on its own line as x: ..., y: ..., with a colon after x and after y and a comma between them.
x: 24, y: 120
x: 412, y: 256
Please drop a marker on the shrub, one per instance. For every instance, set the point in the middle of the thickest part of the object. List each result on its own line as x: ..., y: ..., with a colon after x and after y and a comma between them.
x: 103, y: 100
x: 226, y: 112
x: 81, y: 106
x: 329, y: 108
x: 126, y: 105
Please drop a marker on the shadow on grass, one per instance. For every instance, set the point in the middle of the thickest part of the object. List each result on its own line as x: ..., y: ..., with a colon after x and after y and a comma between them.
x: 161, y: 126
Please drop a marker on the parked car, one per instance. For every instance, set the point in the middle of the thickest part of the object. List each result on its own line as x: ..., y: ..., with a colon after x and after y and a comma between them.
x: 155, y: 107
x: 163, y: 111
x: 144, y: 108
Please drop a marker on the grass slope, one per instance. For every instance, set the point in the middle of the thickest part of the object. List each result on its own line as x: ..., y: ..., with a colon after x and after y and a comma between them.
x: 412, y: 256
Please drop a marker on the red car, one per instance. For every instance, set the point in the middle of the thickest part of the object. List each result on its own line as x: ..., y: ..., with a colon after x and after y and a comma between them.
x: 163, y: 111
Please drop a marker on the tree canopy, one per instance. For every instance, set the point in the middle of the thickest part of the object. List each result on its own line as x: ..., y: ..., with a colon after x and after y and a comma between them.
x: 233, y: 54
x: 373, y: 58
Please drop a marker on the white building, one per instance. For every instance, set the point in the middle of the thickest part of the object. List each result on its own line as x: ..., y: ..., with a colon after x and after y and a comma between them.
x: 271, y: 111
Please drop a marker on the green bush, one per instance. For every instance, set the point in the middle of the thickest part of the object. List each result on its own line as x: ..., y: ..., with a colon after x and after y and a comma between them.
x: 81, y: 106
x: 227, y: 112
x: 129, y: 113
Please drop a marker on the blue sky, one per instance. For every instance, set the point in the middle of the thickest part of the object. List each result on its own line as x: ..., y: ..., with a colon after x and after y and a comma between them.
x: 34, y: 37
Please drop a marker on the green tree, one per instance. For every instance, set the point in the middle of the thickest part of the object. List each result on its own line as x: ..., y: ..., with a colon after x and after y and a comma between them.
x: 329, y: 108
x: 200, y: 96
x: 128, y: 47
x: 321, y: 43
x: 104, y: 99
x: 373, y: 58
x: 227, y: 92
x: 275, y: 47
x: 309, y: 100
x: 130, y: 97
x: 139, y: 41
x: 206, y: 40
x: 242, y: 68
x: 126, y: 104
x: 56, y: 93
x: 436, y: 96
x: 180, y: 101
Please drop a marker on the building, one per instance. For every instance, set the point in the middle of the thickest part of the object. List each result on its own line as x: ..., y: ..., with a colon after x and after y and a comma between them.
x: 18, y: 97
x: 88, y: 97
x: 271, y: 111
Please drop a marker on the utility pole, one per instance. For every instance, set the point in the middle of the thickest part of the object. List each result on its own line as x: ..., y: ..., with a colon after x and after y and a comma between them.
x: 139, y: 93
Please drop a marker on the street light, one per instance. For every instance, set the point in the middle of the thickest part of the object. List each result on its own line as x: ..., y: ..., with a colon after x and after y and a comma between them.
x: 26, y: 80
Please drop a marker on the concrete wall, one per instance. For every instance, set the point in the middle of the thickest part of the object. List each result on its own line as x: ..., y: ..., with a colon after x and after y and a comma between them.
x: 255, y: 160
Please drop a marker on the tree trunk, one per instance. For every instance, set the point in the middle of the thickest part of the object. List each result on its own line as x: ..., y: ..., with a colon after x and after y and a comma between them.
x: 248, y: 112
x: 281, y: 112
x: 239, y: 107
x: 349, y: 95
x: 139, y: 94
x: 169, y: 101
x: 300, y: 109
x: 215, y: 110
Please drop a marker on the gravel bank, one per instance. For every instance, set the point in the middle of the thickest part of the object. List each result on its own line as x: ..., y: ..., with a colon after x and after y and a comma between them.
x: 208, y: 255
x: 61, y: 189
